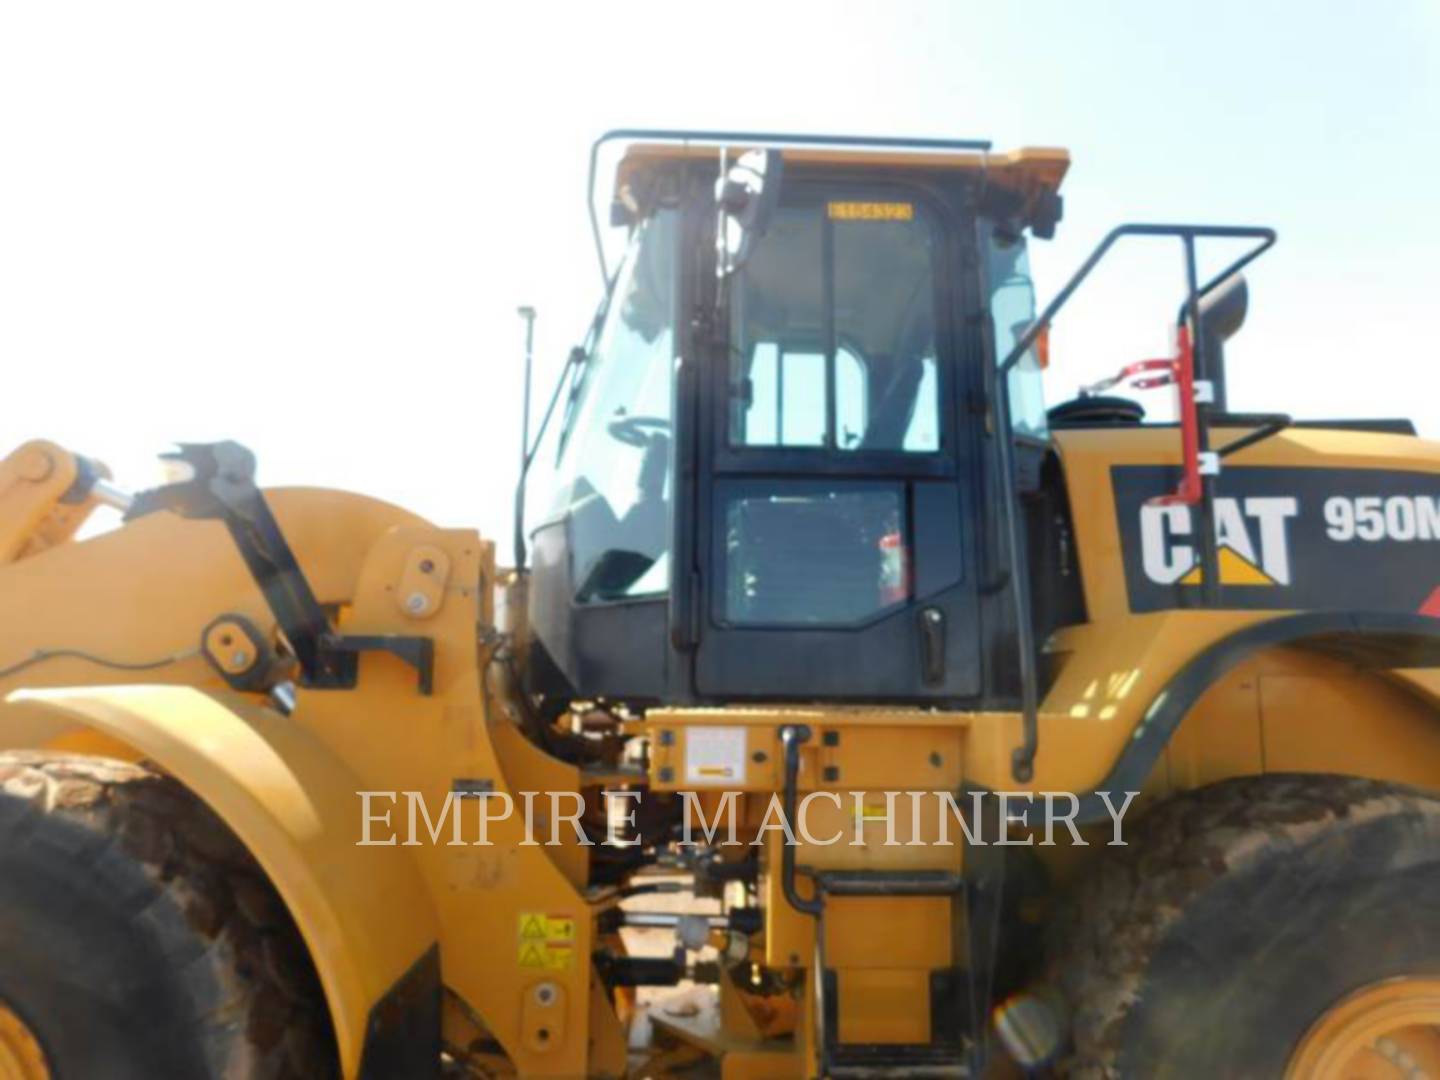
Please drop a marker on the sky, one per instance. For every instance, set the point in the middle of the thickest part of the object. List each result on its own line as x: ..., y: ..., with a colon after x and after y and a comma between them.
x: 308, y: 226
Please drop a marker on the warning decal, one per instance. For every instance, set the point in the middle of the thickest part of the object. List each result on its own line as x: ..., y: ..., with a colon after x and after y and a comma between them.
x: 715, y: 755
x: 547, y: 941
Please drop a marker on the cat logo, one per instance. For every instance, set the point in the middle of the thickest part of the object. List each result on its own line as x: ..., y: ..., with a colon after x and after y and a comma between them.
x: 1287, y: 539
x: 1252, y: 534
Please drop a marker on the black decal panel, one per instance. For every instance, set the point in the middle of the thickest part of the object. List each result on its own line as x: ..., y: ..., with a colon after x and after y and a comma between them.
x: 1289, y: 539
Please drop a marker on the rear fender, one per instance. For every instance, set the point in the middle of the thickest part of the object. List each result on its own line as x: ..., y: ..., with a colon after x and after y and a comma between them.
x: 1384, y: 642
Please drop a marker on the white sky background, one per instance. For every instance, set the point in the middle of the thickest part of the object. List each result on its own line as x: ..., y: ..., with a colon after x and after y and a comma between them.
x: 307, y: 226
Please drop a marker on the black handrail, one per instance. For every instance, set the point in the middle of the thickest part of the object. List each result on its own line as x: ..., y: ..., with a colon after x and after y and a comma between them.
x: 1232, y: 232
x: 1023, y: 760
x: 792, y: 736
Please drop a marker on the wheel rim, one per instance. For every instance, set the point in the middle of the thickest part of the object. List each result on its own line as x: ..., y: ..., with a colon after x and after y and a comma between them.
x: 1382, y: 1032
x: 20, y: 1055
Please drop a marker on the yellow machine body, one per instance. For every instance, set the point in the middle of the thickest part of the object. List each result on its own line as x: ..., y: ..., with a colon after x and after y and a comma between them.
x: 288, y: 786
x: 129, y: 644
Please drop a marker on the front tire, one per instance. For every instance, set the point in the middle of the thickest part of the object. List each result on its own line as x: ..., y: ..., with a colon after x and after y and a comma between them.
x: 139, y: 939
x: 1241, y: 918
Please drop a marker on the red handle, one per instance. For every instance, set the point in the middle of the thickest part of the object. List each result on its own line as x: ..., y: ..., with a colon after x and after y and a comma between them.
x: 1189, y: 491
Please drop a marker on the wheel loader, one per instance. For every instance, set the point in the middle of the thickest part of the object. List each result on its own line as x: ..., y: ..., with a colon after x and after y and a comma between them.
x: 844, y: 710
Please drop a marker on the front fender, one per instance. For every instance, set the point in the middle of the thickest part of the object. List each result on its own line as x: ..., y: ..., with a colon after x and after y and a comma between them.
x: 363, y: 911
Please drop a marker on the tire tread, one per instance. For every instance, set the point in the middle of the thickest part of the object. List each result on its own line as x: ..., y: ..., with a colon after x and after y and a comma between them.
x: 257, y: 1006
x: 1104, y: 939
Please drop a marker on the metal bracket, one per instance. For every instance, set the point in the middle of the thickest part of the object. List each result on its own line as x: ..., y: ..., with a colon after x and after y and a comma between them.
x: 221, y: 487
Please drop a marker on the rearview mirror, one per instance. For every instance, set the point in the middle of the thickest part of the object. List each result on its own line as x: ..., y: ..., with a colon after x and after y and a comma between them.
x: 612, y: 574
x: 1223, y: 308
x: 1222, y: 313
x: 746, y: 196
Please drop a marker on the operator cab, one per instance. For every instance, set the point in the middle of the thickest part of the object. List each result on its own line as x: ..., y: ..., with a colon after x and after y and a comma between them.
x: 766, y: 476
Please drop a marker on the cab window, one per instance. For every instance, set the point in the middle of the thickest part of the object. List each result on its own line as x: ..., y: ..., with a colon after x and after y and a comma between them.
x: 832, y: 332
x: 614, y: 476
x: 1012, y: 310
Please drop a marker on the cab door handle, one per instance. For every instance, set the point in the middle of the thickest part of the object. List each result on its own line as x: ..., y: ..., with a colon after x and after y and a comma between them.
x: 932, y: 645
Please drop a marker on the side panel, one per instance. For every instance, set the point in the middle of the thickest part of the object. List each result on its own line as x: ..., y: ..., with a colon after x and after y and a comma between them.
x: 1318, y: 715
x: 1292, y: 710
x: 364, y: 912
x: 1103, y: 465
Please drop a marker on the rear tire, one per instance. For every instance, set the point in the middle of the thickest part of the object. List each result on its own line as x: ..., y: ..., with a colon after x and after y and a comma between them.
x: 139, y: 939
x: 1241, y: 914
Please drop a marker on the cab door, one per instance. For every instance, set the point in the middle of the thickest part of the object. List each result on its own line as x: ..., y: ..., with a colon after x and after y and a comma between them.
x: 835, y: 544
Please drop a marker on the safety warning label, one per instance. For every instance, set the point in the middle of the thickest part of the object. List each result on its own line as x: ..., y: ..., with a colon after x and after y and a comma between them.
x: 715, y: 755
x: 546, y: 941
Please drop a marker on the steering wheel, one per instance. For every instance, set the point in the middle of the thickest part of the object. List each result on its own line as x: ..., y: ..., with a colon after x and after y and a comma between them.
x: 637, y: 430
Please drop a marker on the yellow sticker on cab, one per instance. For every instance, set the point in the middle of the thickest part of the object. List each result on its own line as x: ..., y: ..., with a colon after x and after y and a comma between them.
x: 871, y: 211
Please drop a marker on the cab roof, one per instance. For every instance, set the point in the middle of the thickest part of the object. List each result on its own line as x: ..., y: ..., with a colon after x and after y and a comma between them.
x: 1032, y: 174
x: 1030, y: 167
x: 1029, y: 171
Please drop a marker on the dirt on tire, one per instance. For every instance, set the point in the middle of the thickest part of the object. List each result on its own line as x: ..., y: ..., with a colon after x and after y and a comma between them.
x: 240, y: 969
x: 1104, y: 942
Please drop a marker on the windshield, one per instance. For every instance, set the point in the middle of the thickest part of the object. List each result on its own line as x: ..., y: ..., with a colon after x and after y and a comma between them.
x: 613, y: 475
x: 1012, y: 310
